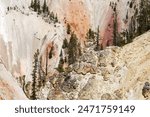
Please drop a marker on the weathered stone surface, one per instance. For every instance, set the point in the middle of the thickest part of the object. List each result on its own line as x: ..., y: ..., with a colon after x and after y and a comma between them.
x: 106, y: 96
x: 120, y: 78
x: 69, y: 85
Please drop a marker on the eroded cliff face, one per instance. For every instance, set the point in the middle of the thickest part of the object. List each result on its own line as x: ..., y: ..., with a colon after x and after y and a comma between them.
x: 9, y: 88
x: 23, y: 32
x: 85, y: 14
x: 114, y: 73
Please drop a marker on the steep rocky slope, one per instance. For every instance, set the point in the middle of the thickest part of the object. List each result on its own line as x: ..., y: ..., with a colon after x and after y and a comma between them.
x: 114, y: 73
x: 22, y: 33
x: 9, y: 88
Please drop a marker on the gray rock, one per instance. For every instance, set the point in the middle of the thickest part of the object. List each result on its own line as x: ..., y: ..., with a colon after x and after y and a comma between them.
x: 106, y: 96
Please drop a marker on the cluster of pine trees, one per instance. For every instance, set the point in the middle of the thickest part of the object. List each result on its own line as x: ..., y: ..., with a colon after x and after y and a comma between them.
x: 94, y: 37
x: 122, y: 38
x: 35, y: 4
x: 143, y: 18
x: 37, y: 7
x: 139, y: 23
x: 71, y: 50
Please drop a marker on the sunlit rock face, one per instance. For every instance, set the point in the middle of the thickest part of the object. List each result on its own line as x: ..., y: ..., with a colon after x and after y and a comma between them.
x: 114, y: 73
x: 23, y: 31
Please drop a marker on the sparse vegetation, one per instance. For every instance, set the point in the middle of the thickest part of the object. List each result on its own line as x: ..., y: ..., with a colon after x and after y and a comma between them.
x: 43, y: 10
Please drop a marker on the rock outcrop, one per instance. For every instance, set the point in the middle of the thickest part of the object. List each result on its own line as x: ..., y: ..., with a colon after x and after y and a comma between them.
x: 113, y: 73
x: 9, y: 88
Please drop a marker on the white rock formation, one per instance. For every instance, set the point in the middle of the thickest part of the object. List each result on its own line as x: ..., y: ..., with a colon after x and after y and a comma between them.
x: 9, y: 88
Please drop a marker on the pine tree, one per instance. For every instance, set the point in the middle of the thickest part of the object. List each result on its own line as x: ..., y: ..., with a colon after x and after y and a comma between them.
x: 90, y: 35
x: 52, y: 16
x: 72, y: 49
x: 38, y: 7
x: 97, y: 48
x: 65, y: 44
x: 44, y: 7
x: 68, y: 29
x: 35, y: 5
x: 47, y: 56
x: 56, y: 19
x: 32, y: 4
x: 35, y: 77
x: 79, y: 52
x: 61, y: 63
x: 115, y: 28
x: 144, y: 17
x: 47, y: 9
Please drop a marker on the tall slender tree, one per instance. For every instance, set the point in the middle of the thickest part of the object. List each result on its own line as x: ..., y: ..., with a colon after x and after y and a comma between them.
x: 44, y: 7
x: 35, y: 5
x: 97, y: 48
x: 38, y: 7
x: 72, y: 49
x: 35, y: 76
x: 47, y: 57
x: 32, y: 4
x: 115, y: 29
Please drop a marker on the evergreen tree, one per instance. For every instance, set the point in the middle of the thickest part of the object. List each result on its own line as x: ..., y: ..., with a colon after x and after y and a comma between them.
x: 79, y: 52
x: 35, y: 5
x: 144, y: 17
x: 115, y: 28
x: 61, y: 63
x: 32, y: 4
x: 41, y: 74
x: 68, y: 29
x: 38, y: 7
x: 52, y: 16
x: 97, y: 48
x: 35, y: 77
x: 44, y: 7
x: 65, y: 44
x: 90, y: 35
x: 8, y: 8
x: 56, y: 19
x: 47, y: 9
x: 131, y: 32
x: 47, y: 56
x: 72, y: 49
